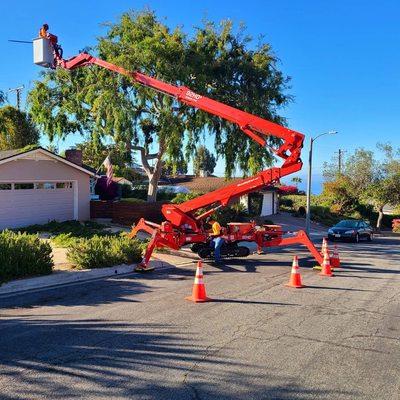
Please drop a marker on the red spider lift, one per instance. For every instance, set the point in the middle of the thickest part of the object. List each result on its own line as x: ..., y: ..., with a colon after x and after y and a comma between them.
x: 184, y: 222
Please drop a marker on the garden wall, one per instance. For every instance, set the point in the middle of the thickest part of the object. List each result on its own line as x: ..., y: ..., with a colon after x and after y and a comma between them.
x: 126, y: 213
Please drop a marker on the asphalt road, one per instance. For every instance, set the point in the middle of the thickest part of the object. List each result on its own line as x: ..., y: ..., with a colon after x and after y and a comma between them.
x: 135, y: 337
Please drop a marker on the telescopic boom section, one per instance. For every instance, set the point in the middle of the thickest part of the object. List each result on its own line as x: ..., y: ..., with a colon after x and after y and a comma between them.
x: 255, y: 127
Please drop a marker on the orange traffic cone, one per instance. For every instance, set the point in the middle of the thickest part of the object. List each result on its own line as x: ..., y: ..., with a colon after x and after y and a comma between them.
x: 335, y: 260
x: 295, y: 277
x: 324, y: 248
x: 199, y: 290
x: 326, y: 265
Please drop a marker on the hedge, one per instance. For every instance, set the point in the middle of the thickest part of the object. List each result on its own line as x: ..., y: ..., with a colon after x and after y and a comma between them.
x: 104, y: 251
x: 23, y: 255
x: 76, y: 228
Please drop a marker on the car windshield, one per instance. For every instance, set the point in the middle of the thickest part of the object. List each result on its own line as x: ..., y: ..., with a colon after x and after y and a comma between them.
x: 347, y: 224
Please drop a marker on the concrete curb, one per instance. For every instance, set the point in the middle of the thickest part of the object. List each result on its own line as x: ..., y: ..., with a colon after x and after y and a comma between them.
x: 58, y: 278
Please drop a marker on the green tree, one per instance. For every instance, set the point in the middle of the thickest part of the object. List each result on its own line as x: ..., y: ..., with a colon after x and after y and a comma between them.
x: 179, y: 167
x: 339, y: 195
x: 385, y: 187
x: 215, y: 61
x: 94, y: 154
x: 204, y: 162
x: 3, y: 97
x: 365, y: 179
x: 296, y: 180
x: 17, y: 129
x: 384, y: 191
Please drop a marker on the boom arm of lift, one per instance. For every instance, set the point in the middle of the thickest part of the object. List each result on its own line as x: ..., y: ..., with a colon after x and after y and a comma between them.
x: 255, y: 127
x: 183, y: 225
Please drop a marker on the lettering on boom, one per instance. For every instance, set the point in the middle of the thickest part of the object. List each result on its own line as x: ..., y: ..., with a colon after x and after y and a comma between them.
x: 192, y: 95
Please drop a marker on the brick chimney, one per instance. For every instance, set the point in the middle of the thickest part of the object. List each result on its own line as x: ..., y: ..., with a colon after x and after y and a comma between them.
x: 74, y: 156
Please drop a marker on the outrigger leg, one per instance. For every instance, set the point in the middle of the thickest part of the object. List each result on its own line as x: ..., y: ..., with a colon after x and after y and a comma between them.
x: 152, y: 229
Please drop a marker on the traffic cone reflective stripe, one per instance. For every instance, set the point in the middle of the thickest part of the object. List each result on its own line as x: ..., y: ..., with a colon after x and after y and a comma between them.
x: 295, y: 277
x: 324, y: 246
x: 199, y: 290
x: 326, y: 265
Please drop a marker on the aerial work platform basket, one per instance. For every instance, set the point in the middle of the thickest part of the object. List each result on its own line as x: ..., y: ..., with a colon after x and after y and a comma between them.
x: 43, y: 53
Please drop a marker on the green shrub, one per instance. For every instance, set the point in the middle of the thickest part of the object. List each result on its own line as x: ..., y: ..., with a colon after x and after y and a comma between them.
x: 140, y: 192
x: 104, y: 251
x: 126, y: 190
x: 255, y: 204
x: 75, y: 227
x: 182, y: 197
x: 64, y: 240
x: 285, y: 201
x: 234, y: 213
x: 23, y: 255
x: 133, y: 200
x: 165, y: 195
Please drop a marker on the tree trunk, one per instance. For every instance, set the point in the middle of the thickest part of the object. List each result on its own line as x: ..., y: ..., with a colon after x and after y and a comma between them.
x: 153, y: 182
x: 153, y: 173
x: 380, y: 217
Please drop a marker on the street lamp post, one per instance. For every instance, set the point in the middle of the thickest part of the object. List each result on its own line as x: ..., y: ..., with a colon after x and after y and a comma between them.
x: 308, y: 213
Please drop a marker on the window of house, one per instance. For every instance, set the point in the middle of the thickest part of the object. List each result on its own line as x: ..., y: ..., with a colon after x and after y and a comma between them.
x: 23, y: 186
x: 64, y: 185
x: 5, y: 186
x: 45, y: 185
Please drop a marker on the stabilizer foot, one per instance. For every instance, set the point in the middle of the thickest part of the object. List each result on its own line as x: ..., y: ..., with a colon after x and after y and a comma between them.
x: 143, y: 268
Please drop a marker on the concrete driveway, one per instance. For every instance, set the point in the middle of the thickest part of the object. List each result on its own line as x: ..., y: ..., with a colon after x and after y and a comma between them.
x: 135, y: 337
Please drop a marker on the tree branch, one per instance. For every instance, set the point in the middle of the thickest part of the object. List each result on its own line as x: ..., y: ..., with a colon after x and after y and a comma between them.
x: 152, y: 156
x: 145, y: 162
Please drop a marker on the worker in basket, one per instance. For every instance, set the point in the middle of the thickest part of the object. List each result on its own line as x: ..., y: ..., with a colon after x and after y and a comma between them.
x: 217, y: 239
x: 45, y: 34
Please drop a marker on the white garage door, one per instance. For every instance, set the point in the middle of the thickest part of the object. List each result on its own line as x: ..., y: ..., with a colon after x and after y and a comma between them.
x: 28, y: 203
x: 267, y: 205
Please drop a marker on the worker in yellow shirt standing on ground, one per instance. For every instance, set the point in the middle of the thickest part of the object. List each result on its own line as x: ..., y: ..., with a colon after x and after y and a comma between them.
x: 218, y: 240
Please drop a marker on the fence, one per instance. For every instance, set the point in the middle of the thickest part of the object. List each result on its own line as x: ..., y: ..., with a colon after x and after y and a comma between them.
x: 124, y: 212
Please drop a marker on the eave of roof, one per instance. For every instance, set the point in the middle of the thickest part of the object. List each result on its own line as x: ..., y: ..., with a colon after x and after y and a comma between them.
x: 10, y: 155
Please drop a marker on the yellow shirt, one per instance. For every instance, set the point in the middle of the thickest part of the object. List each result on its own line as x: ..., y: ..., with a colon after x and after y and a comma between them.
x: 216, y: 229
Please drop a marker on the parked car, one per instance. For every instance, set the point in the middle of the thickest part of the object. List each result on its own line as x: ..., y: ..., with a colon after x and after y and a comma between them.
x: 351, y: 229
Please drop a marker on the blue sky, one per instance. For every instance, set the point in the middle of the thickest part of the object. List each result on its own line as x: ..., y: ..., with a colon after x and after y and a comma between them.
x: 343, y: 56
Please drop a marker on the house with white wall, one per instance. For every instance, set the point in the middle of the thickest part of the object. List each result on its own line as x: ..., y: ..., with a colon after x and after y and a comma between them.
x: 37, y: 186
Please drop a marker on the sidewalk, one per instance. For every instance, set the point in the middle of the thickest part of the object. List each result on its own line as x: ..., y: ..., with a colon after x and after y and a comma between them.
x: 65, y: 277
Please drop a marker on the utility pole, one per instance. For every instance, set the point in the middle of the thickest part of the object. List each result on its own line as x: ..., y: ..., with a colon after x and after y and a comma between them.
x: 308, y: 200
x: 18, y: 91
x: 340, y: 153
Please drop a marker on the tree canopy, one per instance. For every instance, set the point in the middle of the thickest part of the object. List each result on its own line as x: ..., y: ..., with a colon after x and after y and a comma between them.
x: 94, y: 154
x: 17, y: 129
x: 204, y: 161
x: 365, y: 180
x: 216, y: 60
